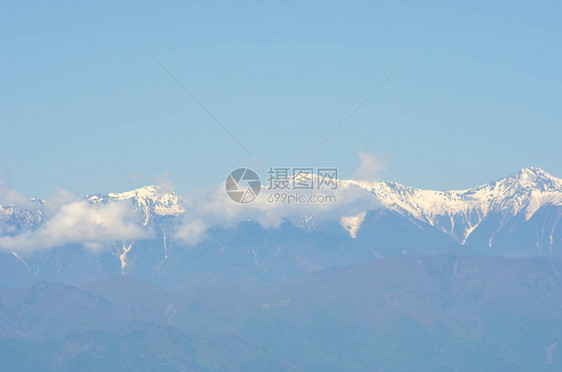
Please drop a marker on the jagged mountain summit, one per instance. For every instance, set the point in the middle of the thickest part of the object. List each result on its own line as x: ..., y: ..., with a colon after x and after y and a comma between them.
x: 152, y: 201
x: 459, y: 213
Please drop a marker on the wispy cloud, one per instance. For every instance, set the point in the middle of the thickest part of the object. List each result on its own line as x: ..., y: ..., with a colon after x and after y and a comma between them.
x: 12, y: 197
x: 370, y: 167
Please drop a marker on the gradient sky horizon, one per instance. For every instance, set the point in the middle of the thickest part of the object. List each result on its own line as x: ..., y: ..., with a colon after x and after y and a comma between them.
x: 85, y: 108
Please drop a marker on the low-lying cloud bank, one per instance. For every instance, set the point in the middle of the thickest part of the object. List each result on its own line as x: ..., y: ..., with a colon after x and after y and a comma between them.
x: 215, y: 208
x: 65, y: 219
x: 79, y: 222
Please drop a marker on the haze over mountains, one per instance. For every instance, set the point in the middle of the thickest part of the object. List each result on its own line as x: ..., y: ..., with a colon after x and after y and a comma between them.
x: 147, y: 232
x: 483, y: 313
x: 474, y: 276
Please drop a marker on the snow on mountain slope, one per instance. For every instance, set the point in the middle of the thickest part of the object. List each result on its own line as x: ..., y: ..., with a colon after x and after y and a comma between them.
x: 353, y: 223
x: 459, y: 212
x: 163, y: 201
x: 14, y: 220
x: 151, y: 200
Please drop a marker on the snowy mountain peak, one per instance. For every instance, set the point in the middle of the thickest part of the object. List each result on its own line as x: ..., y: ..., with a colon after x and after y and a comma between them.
x: 151, y: 191
x: 534, y: 171
x: 153, y: 199
x: 150, y: 200
x: 533, y: 178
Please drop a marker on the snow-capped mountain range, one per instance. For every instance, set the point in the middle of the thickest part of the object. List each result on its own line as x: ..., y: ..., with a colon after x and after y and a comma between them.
x: 515, y: 216
x: 461, y: 214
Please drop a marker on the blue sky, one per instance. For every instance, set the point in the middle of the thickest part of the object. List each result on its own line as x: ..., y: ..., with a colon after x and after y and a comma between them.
x: 85, y: 108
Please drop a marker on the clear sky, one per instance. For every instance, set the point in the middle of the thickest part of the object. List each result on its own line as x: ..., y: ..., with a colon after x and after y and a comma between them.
x: 85, y: 108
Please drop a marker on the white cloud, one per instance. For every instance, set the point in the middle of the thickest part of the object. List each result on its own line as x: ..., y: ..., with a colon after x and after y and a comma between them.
x: 370, y: 167
x: 80, y: 222
x: 215, y: 208
x: 192, y: 231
